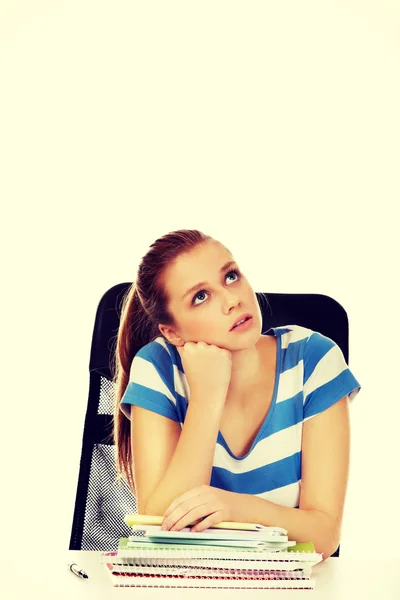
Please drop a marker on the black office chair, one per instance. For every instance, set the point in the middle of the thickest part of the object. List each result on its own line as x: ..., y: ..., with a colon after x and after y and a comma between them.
x: 101, y: 504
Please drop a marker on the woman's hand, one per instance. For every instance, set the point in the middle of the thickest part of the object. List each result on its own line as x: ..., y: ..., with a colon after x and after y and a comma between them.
x: 203, y: 505
x: 208, y: 370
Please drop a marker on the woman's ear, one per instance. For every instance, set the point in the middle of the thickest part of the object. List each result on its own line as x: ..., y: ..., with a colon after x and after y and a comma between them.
x: 171, y: 335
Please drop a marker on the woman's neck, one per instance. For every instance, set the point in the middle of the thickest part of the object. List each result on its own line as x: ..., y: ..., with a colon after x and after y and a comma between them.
x: 249, y: 370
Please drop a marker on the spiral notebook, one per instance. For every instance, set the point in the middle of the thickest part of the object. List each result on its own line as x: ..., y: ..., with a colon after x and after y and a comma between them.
x: 169, y: 561
x: 179, y: 566
x: 185, y: 571
x: 211, y: 579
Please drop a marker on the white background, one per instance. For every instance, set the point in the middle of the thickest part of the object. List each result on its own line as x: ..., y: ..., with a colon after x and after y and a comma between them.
x: 273, y: 127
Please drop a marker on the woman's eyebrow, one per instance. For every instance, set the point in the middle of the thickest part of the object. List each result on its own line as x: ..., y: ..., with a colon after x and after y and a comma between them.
x: 202, y: 283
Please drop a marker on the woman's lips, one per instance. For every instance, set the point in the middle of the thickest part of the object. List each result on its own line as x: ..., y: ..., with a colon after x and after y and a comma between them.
x: 244, y: 326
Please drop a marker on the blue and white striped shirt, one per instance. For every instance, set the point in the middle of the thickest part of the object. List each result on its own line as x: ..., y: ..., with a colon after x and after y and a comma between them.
x: 311, y: 375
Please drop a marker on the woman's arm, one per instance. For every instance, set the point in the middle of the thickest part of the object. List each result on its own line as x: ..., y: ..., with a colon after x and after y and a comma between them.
x: 325, y: 468
x: 191, y: 463
x: 325, y: 463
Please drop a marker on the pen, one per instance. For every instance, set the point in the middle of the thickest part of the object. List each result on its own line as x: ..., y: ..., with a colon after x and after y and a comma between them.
x: 77, y: 571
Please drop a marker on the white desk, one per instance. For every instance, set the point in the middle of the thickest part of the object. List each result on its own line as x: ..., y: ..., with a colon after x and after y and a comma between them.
x: 336, y: 578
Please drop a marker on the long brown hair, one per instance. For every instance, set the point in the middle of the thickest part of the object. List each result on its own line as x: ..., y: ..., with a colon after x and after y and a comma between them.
x: 143, y: 307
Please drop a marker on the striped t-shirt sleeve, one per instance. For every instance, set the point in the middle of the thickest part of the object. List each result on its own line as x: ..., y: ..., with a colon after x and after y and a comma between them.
x: 148, y: 386
x: 327, y: 377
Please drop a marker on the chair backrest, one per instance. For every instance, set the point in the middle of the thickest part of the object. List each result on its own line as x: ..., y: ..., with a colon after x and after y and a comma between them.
x: 101, y: 504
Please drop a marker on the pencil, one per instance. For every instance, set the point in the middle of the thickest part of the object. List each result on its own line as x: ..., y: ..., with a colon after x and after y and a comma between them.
x: 134, y: 519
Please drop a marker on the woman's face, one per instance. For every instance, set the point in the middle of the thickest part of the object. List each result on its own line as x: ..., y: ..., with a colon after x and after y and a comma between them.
x: 207, y: 312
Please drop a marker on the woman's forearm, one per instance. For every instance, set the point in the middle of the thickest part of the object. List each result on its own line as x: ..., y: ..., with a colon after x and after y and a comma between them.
x: 302, y: 525
x: 191, y: 463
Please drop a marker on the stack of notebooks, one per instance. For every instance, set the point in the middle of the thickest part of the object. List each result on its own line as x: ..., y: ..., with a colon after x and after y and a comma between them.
x: 227, y: 555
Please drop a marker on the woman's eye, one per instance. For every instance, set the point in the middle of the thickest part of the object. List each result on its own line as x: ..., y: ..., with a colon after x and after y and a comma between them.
x: 202, y: 292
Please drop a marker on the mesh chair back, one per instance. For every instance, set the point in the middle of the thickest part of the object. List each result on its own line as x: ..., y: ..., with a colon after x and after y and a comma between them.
x: 101, y: 504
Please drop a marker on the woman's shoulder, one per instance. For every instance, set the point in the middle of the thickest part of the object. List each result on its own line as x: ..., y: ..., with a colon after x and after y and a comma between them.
x: 160, y: 352
x: 166, y: 361
x: 291, y: 333
x: 158, y: 345
x: 154, y: 362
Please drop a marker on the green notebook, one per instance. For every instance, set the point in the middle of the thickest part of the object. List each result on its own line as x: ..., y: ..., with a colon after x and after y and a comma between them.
x: 123, y: 545
x: 302, y: 547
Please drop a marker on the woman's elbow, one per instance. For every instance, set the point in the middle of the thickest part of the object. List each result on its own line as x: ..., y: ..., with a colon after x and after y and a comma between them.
x: 329, y: 544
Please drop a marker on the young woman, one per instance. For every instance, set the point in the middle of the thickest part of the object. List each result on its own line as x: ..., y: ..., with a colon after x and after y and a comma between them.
x: 216, y: 421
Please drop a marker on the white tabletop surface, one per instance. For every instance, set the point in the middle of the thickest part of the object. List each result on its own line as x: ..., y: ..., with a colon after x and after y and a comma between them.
x: 50, y: 577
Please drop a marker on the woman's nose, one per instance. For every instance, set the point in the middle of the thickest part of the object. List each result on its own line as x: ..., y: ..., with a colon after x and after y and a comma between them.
x: 231, y: 299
